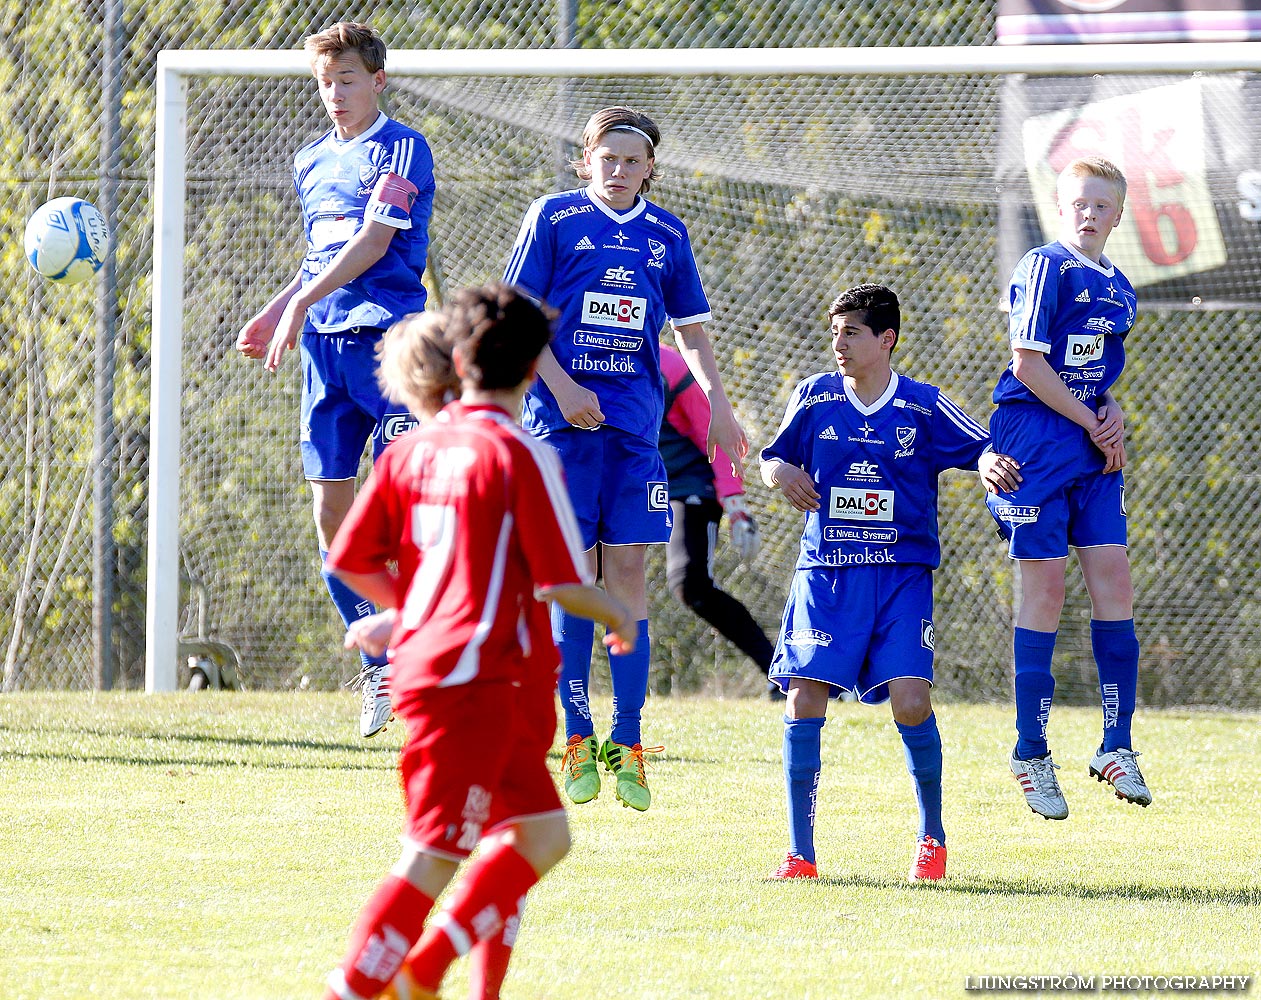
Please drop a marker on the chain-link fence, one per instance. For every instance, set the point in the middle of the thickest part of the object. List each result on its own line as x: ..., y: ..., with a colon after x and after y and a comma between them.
x: 792, y: 190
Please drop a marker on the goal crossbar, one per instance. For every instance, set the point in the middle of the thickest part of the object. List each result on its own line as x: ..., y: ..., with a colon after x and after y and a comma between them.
x: 176, y: 67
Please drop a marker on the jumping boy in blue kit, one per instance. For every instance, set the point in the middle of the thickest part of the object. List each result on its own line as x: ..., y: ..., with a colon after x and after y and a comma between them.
x: 366, y: 189
x: 859, y: 452
x: 617, y: 267
x: 1070, y: 312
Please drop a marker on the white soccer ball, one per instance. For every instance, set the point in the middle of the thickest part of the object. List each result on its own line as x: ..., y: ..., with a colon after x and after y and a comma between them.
x: 67, y: 240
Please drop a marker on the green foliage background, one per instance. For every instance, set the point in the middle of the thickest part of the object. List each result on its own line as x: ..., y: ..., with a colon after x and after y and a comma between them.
x: 791, y: 191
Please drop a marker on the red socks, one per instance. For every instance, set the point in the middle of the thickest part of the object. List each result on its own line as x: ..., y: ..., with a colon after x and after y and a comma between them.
x: 389, y: 924
x: 484, y: 904
x: 488, y: 961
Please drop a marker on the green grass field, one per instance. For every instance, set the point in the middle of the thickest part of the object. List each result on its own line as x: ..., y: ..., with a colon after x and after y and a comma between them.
x: 219, y: 846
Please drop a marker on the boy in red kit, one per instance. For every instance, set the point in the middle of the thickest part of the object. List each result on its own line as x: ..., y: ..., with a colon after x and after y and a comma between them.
x: 464, y: 531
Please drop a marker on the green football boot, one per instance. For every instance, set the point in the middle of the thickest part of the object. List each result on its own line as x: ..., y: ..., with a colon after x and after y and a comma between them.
x: 582, y: 774
x: 629, y: 765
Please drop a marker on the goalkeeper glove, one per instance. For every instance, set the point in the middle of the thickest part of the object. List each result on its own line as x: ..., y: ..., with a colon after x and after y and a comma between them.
x: 744, y: 534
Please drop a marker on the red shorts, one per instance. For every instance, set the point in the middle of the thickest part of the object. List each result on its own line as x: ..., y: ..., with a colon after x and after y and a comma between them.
x: 475, y: 759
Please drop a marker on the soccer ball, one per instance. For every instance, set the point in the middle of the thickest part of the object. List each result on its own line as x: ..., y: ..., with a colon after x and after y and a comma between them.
x: 67, y: 240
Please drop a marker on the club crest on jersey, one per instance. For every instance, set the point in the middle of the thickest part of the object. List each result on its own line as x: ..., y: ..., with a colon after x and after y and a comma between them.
x: 906, y: 438
x: 927, y: 635
x: 625, y: 311
x: 658, y: 250
x: 371, y: 169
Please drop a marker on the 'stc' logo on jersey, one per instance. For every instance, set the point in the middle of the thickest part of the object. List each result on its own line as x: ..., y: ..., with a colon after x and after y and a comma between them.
x: 866, y: 505
x: 1083, y: 349
x: 625, y: 311
x: 619, y: 276
x: 864, y: 470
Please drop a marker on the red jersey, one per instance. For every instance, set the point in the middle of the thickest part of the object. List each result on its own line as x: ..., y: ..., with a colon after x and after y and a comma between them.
x: 476, y: 515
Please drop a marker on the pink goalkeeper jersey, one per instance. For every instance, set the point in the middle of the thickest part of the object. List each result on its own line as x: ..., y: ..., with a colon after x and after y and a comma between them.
x: 476, y: 514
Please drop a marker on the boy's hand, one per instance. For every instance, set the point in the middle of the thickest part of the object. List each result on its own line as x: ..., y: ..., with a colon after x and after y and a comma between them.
x: 1114, y: 458
x: 797, y: 487
x: 371, y: 634
x: 254, y: 336
x: 579, y: 406
x: 999, y: 473
x: 286, y: 336
x: 1110, y: 429
x: 620, y: 636
x: 726, y: 433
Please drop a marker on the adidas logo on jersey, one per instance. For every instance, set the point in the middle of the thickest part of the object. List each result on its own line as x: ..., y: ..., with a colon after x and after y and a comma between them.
x: 1083, y: 297
x: 584, y: 244
x: 828, y: 434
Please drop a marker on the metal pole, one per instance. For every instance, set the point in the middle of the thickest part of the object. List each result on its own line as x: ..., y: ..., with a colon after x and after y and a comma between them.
x: 105, y: 437
x: 566, y: 38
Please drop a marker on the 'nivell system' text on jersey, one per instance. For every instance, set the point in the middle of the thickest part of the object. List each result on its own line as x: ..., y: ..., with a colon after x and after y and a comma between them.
x: 476, y: 514
x: 383, y: 175
x: 615, y: 278
x: 875, y: 468
x: 1074, y: 311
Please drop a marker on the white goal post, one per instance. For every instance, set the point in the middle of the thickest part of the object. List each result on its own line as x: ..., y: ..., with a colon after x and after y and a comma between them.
x: 176, y: 67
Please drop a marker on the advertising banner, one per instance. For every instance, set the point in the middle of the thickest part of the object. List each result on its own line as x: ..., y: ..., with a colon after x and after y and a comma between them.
x: 1191, y: 233
x: 1042, y: 22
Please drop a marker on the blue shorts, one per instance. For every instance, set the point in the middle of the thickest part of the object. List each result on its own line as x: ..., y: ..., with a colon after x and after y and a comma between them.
x: 617, y: 485
x: 857, y: 628
x: 342, y: 404
x: 1064, y: 500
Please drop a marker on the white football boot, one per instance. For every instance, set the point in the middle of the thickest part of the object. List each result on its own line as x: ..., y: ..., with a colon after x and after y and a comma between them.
x: 1038, y: 782
x: 374, y: 713
x: 1120, y: 770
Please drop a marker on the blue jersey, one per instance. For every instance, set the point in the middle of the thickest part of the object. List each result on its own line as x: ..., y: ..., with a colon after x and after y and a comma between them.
x: 615, y: 278
x: 1074, y: 311
x: 383, y: 175
x: 875, y: 468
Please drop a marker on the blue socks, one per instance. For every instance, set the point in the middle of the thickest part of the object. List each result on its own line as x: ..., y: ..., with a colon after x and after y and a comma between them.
x: 802, y: 741
x: 1116, y: 655
x: 574, y: 637
x: 349, y: 605
x: 922, y: 744
x: 630, y: 687
x: 1034, y: 689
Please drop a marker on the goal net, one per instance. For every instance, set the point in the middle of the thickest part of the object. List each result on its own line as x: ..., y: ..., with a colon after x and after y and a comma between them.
x: 799, y: 173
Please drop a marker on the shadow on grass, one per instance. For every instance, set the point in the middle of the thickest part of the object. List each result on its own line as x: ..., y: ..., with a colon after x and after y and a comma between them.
x: 1244, y: 896
x: 383, y: 756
